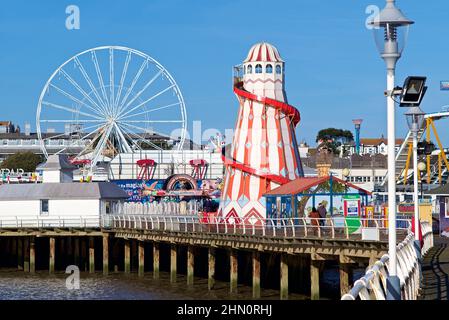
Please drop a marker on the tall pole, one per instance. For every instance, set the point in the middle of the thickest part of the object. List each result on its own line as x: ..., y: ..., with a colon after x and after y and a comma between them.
x: 415, y: 184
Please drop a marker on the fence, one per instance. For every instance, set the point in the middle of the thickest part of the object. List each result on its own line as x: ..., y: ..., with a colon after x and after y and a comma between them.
x: 373, y: 285
x: 36, y: 222
x: 329, y: 228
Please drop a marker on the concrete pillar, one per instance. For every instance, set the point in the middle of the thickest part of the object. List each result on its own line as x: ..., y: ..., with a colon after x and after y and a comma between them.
x: 91, y: 255
x: 211, y: 272
x: 173, y: 263
x: 256, y: 275
x: 19, y: 253
x: 32, y: 255
x: 105, y: 254
x: 156, y: 260
x: 52, y: 255
x: 190, y: 265
x: 76, y: 252
x: 315, y: 279
x: 127, y: 257
x: 233, y: 255
x: 284, y: 276
x: 141, y: 254
x: 26, y: 251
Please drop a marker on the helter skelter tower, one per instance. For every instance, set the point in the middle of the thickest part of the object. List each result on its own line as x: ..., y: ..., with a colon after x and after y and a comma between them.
x: 264, y: 153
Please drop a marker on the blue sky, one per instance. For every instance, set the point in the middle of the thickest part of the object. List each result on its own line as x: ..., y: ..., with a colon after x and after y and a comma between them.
x: 333, y: 71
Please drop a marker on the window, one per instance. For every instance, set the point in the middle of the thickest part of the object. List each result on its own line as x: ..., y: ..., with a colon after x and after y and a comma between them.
x: 44, y: 206
x: 269, y: 68
x: 278, y: 69
x: 258, y: 68
x: 244, y: 69
x: 250, y: 69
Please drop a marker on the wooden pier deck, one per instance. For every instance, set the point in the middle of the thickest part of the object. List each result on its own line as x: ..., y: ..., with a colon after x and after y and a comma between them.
x: 436, y: 271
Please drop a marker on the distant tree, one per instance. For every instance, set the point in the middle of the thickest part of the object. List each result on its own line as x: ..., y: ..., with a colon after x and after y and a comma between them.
x: 27, y: 161
x: 333, y: 138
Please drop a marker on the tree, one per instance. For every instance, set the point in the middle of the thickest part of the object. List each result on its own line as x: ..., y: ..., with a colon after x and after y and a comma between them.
x: 333, y: 138
x: 27, y: 161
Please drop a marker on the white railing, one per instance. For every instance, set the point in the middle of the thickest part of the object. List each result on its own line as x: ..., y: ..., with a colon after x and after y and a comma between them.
x: 33, y: 222
x: 330, y: 228
x: 373, y: 285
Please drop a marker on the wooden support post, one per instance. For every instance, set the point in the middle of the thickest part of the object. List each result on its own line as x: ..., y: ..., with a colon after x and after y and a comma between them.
x: 51, y: 264
x: 62, y: 253
x: 315, y: 279
x: 256, y: 275
x: 211, y: 272
x: 141, y: 253
x: 32, y: 255
x: 83, y: 254
x: 91, y: 255
x: 284, y: 276
x: 76, y: 252
x: 13, y: 249
x: 173, y: 262
x: 156, y: 260
x: 19, y: 254
x: 26, y: 251
x: 233, y: 255
x: 127, y: 257
x: 69, y: 250
x: 345, y: 274
x: 105, y: 254
x: 190, y: 265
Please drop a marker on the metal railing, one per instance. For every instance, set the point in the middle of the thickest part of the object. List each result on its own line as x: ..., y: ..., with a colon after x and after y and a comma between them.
x: 42, y: 222
x: 373, y: 285
x: 329, y: 228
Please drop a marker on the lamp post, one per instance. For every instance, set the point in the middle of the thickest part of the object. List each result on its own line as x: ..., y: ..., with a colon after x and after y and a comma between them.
x: 390, y: 28
x: 421, y: 168
x: 415, y: 119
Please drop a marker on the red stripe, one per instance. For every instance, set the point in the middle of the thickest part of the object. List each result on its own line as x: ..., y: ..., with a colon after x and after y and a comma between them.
x: 268, y: 54
x: 259, y: 56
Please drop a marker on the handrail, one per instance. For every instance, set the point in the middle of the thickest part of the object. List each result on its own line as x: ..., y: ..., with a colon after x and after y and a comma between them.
x: 408, y: 270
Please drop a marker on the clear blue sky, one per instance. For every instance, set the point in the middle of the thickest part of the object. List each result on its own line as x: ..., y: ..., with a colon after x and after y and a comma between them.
x: 334, y: 73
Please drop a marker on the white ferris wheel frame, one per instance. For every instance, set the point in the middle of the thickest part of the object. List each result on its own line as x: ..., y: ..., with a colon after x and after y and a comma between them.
x: 147, y: 60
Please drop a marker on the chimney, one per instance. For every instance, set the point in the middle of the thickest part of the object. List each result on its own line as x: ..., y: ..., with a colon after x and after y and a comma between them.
x: 27, y: 128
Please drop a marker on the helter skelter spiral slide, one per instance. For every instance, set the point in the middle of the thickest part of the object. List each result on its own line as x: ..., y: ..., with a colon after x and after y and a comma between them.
x: 264, y: 153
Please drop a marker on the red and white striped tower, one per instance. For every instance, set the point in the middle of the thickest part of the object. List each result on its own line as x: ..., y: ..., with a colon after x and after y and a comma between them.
x: 264, y: 153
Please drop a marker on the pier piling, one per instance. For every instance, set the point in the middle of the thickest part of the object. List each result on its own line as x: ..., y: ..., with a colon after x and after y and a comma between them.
x: 345, y: 274
x: 105, y: 255
x: 211, y: 272
x: 256, y: 274
x: 76, y: 252
x: 233, y: 255
x: 26, y: 251
x: 284, y: 276
x: 51, y: 264
x: 127, y: 257
x: 190, y: 265
x: 315, y: 279
x: 19, y: 254
x: 91, y: 255
x: 156, y: 260
x: 32, y: 255
x: 173, y: 262
x: 141, y: 254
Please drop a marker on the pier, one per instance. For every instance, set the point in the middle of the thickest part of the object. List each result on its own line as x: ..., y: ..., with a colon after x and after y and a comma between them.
x: 288, y: 254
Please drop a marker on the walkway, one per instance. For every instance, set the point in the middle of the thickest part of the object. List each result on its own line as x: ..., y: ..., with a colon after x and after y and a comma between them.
x: 435, y: 271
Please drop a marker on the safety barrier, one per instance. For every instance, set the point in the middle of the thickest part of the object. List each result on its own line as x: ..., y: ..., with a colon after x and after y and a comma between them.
x: 42, y: 222
x: 329, y: 228
x: 373, y: 285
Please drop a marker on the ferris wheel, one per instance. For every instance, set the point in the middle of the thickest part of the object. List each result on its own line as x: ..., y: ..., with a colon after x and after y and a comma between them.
x: 110, y: 100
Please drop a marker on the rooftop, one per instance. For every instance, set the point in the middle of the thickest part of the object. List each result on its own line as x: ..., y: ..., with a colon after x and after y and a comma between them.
x: 61, y: 191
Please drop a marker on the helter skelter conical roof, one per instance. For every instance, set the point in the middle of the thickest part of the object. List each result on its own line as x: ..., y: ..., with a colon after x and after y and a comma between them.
x: 263, y: 52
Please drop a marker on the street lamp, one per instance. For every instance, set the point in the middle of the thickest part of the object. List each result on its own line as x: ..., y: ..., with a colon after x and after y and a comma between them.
x: 415, y: 120
x: 421, y: 168
x: 391, y: 30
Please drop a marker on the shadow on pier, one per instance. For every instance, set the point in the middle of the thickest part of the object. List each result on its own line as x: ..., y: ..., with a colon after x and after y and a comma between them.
x: 435, y: 271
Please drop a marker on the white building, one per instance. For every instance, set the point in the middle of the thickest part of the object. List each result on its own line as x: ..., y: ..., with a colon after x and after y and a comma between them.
x: 373, y: 146
x: 58, y: 202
